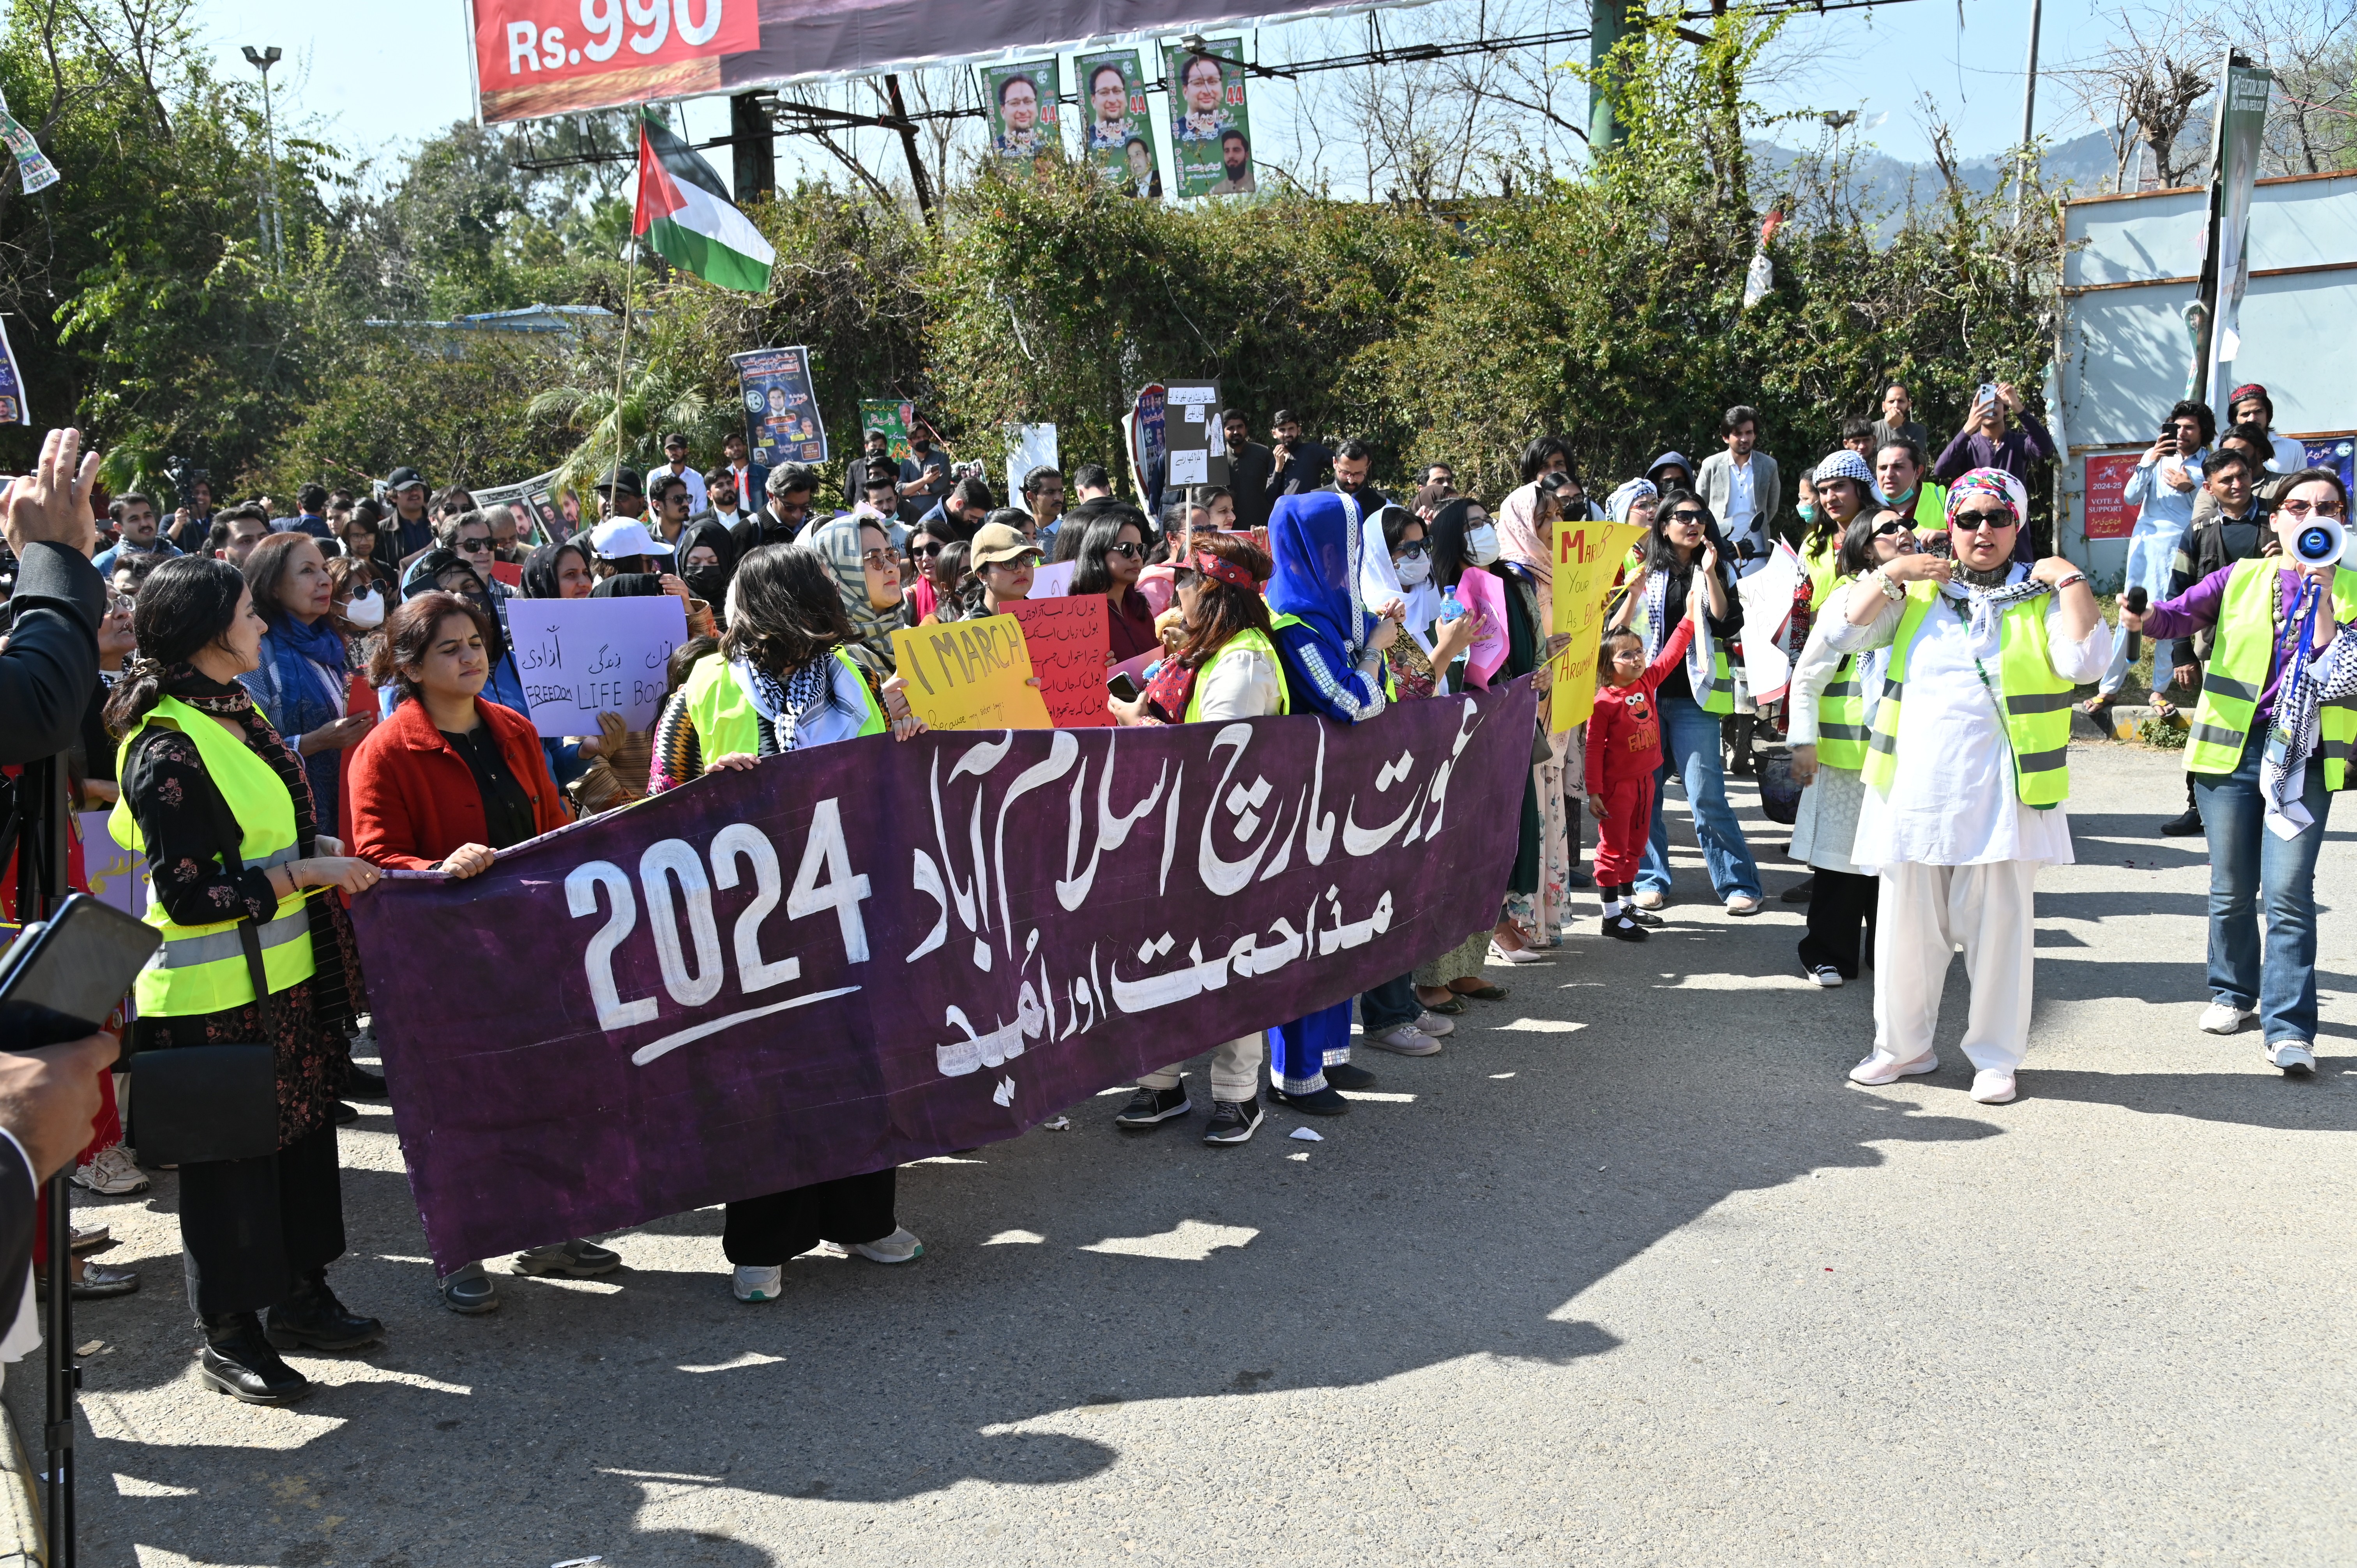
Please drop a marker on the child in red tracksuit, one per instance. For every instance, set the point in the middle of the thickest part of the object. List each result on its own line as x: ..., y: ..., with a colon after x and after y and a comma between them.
x: 1624, y: 752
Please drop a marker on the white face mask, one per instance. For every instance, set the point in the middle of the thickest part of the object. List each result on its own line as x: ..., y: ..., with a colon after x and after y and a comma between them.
x: 365, y: 610
x: 1414, y: 570
x: 1480, y: 545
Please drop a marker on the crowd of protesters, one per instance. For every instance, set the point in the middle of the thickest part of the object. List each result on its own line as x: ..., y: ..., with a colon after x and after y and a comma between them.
x: 291, y: 702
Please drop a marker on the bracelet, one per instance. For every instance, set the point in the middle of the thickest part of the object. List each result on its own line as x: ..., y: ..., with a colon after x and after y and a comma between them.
x: 1890, y: 590
x: 2073, y: 577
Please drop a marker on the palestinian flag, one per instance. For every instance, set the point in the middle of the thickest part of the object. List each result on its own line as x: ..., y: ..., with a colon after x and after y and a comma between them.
x: 685, y: 214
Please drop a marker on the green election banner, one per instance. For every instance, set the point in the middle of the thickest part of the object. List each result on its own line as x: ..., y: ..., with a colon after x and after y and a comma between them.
x: 1020, y: 100
x: 1211, y: 135
x: 892, y: 417
x: 1117, y: 136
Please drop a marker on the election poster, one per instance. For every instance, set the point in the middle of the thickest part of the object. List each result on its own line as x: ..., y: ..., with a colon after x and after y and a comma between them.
x: 2105, y: 509
x: 580, y: 658
x: 534, y: 501
x: 1210, y: 136
x: 1117, y: 135
x: 856, y: 955
x: 1149, y: 449
x: 781, y: 418
x: 894, y: 417
x: 14, y: 410
x: 1020, y: 100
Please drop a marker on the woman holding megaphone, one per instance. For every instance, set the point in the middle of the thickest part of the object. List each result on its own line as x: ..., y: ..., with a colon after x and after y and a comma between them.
x: 2271, y: 742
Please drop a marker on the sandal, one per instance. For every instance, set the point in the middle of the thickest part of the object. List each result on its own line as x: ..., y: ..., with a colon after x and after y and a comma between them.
x: 1453, y: 1007
x: 1485, y: 992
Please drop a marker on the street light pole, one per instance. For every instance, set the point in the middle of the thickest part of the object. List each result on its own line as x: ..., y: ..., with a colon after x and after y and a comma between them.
x: 274, y: 218
x: 2029, y: 115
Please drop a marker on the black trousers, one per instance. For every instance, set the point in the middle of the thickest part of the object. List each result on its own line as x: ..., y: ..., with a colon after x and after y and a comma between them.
x: 250, y: 1229
x: 1839, y: 904
x: 763, y: 1232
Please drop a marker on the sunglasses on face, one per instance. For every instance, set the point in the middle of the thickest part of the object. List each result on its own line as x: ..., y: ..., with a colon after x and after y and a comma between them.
x: 1410, y: 552
x: 1973, y: 522
x: 474, y: 546
x: 1893, y: 527
x: 881, y: 560
x: 927, y: 551
x: 1135, y: 552
x: 2301, y: 509
x: 1691, y: 517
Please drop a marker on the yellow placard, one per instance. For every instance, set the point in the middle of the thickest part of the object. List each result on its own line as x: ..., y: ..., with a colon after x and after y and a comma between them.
x: 970, y: 674
x: 1588, y: 557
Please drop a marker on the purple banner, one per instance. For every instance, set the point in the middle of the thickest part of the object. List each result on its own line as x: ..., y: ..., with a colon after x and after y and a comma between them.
x: 877, y: 951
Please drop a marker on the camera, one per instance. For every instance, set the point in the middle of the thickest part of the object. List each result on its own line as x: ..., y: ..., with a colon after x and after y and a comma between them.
x: 185, y: 477
x: 2320, y: 541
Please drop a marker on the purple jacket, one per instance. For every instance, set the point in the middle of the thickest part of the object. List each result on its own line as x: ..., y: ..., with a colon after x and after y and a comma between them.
x: 2196, y: 609
x: 2018, y: 451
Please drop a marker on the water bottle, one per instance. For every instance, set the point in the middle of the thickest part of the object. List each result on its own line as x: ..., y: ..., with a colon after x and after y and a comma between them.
x: 1450, y: 609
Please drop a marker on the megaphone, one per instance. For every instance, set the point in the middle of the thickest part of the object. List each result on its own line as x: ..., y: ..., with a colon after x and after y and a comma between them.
x: 2320, y: 541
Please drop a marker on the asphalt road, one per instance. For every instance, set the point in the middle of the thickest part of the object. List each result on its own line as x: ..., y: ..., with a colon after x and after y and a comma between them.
x: 1627, y: 1276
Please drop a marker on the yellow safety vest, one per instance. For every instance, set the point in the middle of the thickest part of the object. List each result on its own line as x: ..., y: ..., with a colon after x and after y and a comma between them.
x: 1252, y: 639
x: 2243, y: 648
x: 1824, y: 565
x: 201, y: 969
x: 2036, y: 701
x: 725, y: 719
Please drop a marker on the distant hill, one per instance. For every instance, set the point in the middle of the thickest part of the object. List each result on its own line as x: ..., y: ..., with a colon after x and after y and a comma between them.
x: 1884, y: 185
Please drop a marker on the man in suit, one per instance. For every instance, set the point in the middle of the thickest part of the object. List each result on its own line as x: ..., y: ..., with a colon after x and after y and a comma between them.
x: 752, y: 478
x: 1249, y: 463
x: 1742, y: 488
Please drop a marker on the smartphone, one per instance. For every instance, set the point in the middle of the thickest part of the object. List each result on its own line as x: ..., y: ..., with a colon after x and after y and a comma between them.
x: 64, y: 975
x: 1125, y: 688
x: 1987, y: 392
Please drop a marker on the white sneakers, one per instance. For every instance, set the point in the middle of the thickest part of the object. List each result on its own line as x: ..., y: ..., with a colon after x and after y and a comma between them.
x: 759, y: 1285
x: 1877, y: 1069
x: 897, y: 1248
x: 1827, y: 976
x: 1743, y: 903
x: 2225, y: 1019
x: 1435, y: 1024
x: 111, y: 1172
x: 2292, y: 1056
x: 1406, y: 1040
x: 1992, y: 1086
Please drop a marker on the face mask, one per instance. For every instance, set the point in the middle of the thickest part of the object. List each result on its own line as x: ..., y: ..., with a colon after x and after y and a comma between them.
x: 1480, y: 545
x: 365, y: 610
x: 709, y: 583
x: 1808, y: 510
x: 1413, y: 571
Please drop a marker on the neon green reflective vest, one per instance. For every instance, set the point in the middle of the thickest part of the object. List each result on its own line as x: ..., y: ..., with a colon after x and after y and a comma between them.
x: 1824, y: 571
x: 201, y: 969
x: 1252, y: 639
x: 2238, y: 669
x: 2036, y: 701
x: 1718, y: 697
x: 1841, y: 716
x: 725, y: 719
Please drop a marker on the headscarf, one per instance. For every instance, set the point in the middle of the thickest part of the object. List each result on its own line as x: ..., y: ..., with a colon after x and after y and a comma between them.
x: 628, y: 586
x: 543, y: 565
x: 1521, y: 542
x: 1379, y: 582
x: 837, y: 543
x: 709, y: 583
x: 1624, y: 500
x: 1994, y: 482
x: 1315, y: 539
x: 1988, y: 606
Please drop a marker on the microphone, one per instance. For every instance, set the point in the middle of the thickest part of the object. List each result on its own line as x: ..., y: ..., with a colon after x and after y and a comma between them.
x: 2134, y: 602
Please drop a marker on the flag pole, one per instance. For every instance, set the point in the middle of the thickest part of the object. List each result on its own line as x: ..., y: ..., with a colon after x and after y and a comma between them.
x: 629, y: 280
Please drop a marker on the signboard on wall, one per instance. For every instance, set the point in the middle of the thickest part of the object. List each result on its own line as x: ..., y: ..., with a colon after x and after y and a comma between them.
x: 2108, y: 516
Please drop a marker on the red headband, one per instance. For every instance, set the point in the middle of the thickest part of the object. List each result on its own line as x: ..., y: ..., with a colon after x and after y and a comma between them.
x: 1225, y: 571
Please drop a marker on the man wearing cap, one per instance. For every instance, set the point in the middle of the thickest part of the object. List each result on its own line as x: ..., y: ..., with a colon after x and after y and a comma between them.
x: 791, y: 489
x: 409, y: 530
x: 1966, y: 770
x: 2250, y: 405
x: 620, y: 494
x: 675, y: 464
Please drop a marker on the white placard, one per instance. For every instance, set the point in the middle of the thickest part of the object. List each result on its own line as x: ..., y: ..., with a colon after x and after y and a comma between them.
x: 1767, y: 597
x: 1194, y: 413
x: 1191, y: 467
x: 1053, y: 581
x: 580, y: 658
x: 1201, y: 392
x: 1028, y: 447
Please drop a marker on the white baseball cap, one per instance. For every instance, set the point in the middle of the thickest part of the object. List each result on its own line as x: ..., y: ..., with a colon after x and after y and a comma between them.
x: 618, y: 539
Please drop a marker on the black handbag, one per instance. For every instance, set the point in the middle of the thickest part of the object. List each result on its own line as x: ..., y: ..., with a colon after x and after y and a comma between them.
x: 195, y: 1104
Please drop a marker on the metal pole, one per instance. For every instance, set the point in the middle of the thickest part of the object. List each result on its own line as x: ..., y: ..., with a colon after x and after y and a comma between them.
x: 1604, y: 20
x: 270, y: 142
x: 917, y: 177
x: 2028, y: 114
x: 40, y: 885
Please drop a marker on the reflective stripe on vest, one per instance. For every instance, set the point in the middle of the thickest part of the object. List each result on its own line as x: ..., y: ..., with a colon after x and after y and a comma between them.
x: 1252, y: 639
x: 1841, y: 720
x: 201, y: 969
x: 2036, y: 703
x: 726, y: 720
x: 2242, y: 654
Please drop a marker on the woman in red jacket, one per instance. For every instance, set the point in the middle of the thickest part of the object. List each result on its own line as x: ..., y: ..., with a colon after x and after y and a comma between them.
x: 443, y: 785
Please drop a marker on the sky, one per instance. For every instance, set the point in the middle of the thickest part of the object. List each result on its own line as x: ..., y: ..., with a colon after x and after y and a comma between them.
x: 377, y: 76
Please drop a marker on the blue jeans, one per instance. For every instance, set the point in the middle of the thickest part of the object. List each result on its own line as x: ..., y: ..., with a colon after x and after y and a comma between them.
x: 1690, y: 745
x: 2250, y: 866
x: 1389, y: 1005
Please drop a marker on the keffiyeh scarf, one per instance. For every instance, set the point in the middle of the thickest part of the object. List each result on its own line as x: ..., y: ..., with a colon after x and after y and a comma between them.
x: 1657, y: 628
x: 784, y: 705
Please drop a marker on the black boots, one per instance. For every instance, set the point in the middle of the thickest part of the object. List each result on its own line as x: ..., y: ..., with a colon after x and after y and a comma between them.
x: 238, y: 1360
x: 313, y: 1317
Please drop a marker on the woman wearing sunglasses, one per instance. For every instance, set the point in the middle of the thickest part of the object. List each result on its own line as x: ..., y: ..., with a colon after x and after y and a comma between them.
x: 925, y: 547
x: 1109, y: 558
x: 2271, y: 742
x: 1833, y: 699
x: 1966, y: 768
x: 1684, y: 556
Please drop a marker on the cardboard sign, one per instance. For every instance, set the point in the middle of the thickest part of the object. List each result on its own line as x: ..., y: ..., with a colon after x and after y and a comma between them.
x: 580, y: 658
x: 1054, y: 580
x: 1482, y: 595
x: 1068, y: 640
x: 507, y: 571
x: 1767, y: 597
x: 2106, y: 515
x: 1586, y: 558
x: 971, y: 674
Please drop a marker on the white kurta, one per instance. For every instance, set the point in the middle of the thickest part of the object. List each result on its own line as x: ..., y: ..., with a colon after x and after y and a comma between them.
x: 1953, y: 801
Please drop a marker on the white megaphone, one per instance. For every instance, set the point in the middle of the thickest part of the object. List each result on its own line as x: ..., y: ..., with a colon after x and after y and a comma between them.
x: 2320, y: 541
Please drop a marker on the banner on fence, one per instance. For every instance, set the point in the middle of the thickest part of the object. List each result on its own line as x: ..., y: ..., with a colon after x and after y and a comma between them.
x: 1210, y: 134
x: 872, y: 952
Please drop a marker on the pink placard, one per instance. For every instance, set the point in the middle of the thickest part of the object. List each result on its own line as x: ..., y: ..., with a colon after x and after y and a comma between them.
x: 1484, y: 595
x: 1068, y: 640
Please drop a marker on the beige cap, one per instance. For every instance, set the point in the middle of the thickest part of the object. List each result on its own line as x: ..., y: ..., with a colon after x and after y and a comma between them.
x: 994, y: 542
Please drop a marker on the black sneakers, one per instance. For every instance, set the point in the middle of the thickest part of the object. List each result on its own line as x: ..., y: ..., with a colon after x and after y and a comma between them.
x: 1232, y: 1122
x: 2185, y: 827
x: 1623, y: 928
x: 1152, y: 1107
x: 1344, y: 1075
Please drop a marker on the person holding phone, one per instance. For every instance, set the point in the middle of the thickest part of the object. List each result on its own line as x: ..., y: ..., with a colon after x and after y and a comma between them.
x: 2269, y: 748
x: 2167, y: 481
x: 199, y: 763
x: 1999, y: 432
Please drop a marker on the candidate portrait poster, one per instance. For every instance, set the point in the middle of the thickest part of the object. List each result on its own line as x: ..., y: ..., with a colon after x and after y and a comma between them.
x: 1211, y: 137
x: 1020, y: 100
x: 1117, y: 133
x: 782, y: 419
x: 894, y: 417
